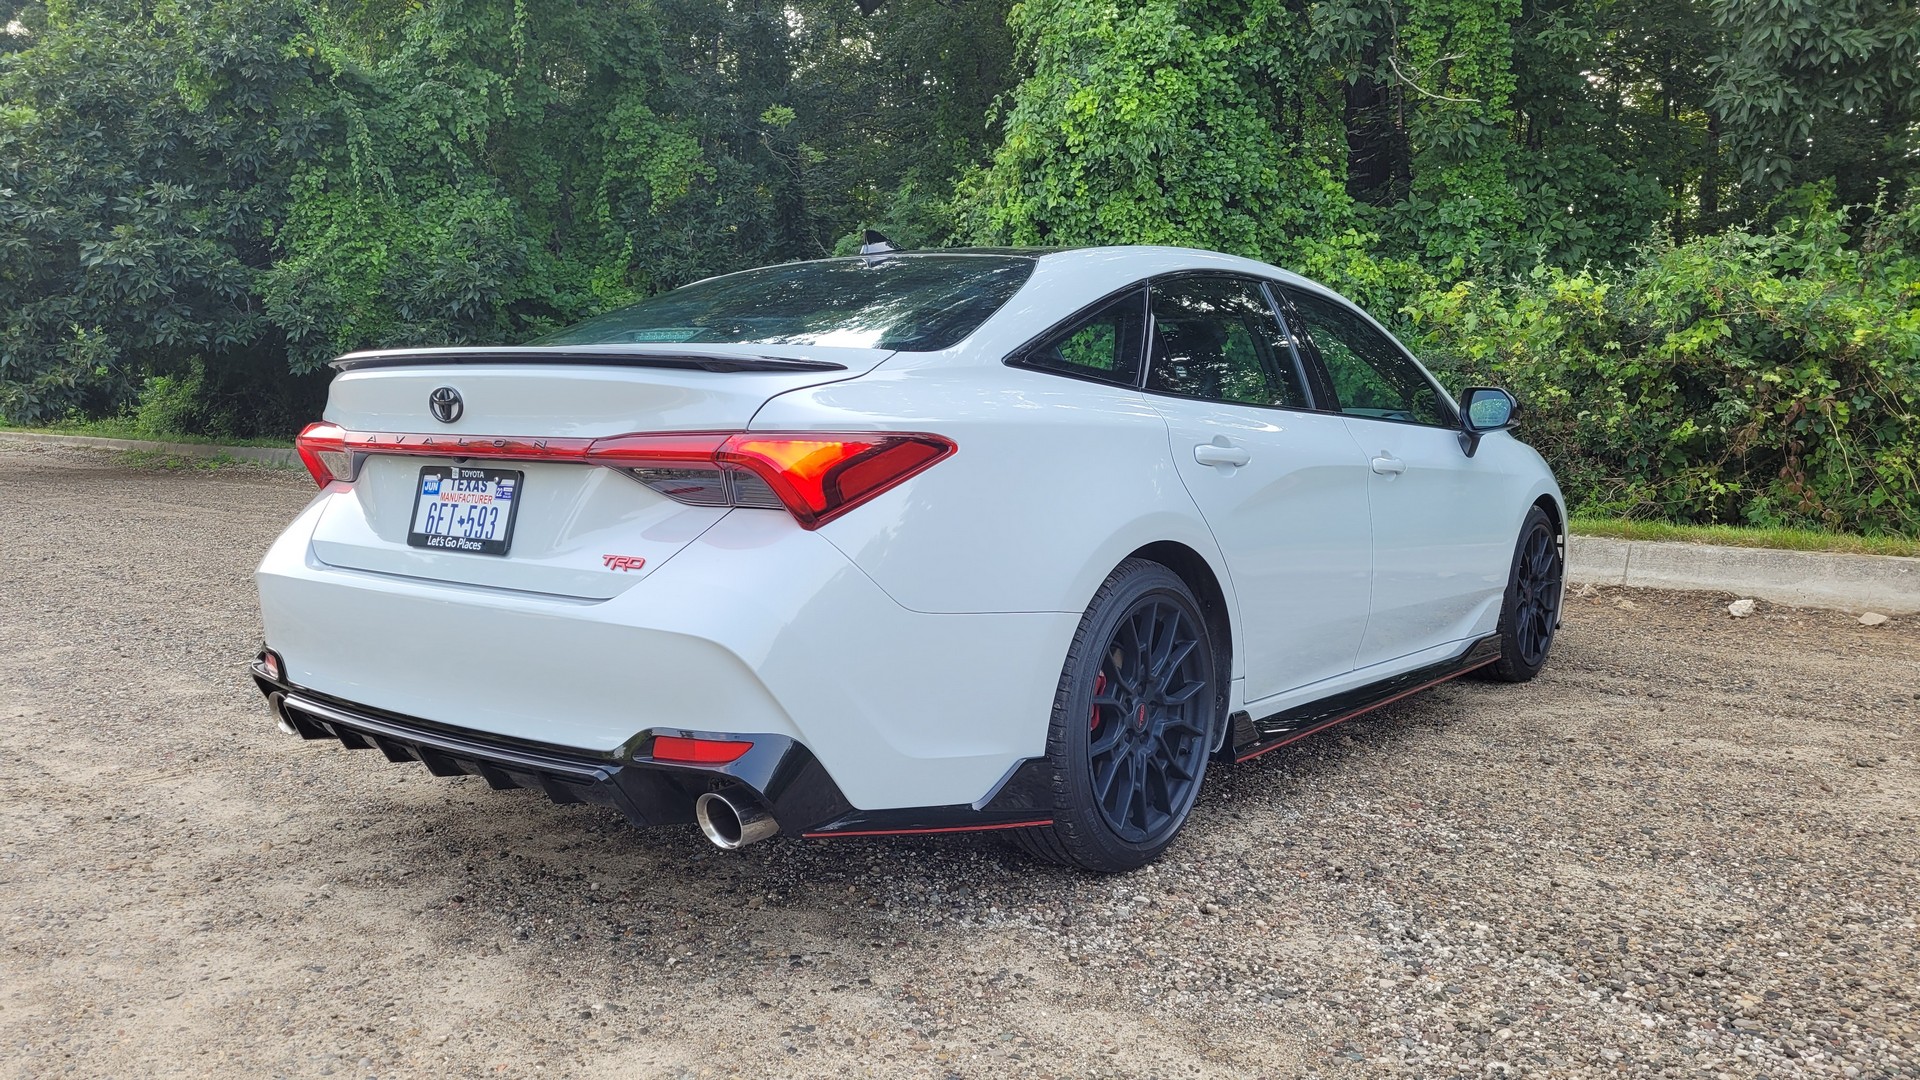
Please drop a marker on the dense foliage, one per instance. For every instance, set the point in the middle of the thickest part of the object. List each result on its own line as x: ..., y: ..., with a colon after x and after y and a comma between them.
x: 1768, y: 379
x: 1683, y: 230
x: 227, y: 194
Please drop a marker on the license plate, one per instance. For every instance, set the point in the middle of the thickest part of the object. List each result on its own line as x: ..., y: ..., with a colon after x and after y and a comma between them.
x: 461, y: 509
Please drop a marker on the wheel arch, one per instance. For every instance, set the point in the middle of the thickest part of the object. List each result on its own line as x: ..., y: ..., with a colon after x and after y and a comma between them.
x: 1198, y: 575
x: 1555, y: 514
x: 1549, y: 504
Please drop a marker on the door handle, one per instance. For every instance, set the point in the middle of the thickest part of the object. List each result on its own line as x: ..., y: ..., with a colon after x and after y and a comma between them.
x: 1388, y: 465
x: 1215, y: 454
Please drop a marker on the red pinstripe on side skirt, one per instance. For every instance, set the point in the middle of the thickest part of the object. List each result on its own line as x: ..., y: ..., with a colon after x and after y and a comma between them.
x: 1298, y: 735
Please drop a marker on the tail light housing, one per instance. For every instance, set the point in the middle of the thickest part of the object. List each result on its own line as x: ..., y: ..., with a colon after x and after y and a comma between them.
x: 323, y: 449
x: 814, y: 476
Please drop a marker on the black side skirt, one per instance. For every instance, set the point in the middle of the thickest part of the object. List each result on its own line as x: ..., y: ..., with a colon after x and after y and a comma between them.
x: 1251, y: 737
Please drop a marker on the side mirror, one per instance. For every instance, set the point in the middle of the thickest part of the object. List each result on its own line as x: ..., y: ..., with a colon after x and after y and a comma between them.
x: 1484, y: 409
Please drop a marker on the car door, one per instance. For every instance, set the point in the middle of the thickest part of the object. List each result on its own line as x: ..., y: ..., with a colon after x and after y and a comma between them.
x: 1282, y: 487
x: 1441, y: 548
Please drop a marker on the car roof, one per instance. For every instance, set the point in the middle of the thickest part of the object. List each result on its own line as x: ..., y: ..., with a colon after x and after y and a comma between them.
x: 1066, y: 280
x: 1140, y: 260
x: 1145, y: 260
x: 1122, y: 264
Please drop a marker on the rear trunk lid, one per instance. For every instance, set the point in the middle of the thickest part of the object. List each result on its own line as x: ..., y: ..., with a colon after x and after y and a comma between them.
x: 580, y: 531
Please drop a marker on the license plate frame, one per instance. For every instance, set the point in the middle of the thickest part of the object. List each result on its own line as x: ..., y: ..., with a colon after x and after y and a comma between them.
x: 492, y: 536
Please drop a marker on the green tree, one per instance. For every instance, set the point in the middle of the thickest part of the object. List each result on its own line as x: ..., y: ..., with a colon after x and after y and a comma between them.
x: 1428, y: 110
x: 1163, y: 122
x: 1820, y: 89
x: 888, y: 109
x: 141, y: 152
x: 501, y: 167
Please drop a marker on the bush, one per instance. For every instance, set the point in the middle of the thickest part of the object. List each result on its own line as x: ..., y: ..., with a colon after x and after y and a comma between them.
x: 170, y: 404
x: 228, y: 401
x: 1749, y: 377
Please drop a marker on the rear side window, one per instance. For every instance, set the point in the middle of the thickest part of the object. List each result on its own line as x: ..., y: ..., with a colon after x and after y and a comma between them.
x: 916, y: 303
x: 1103, y: 345
x: 1371, y: 377
x: 1216, y: 338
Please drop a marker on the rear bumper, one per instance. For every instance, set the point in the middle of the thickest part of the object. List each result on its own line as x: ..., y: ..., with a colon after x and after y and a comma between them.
x: 778, y: 772
x: 756, y: 629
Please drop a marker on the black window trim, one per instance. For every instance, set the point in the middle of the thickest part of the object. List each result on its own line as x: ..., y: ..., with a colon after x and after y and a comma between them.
x: 1146, y: 355
x: 1447, y: 404
x: 1291, y: 327
x: 1308, y: 353
x: 1018, y: 356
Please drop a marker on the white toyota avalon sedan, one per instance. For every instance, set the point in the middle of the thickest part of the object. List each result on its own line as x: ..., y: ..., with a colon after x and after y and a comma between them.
x: 906, y: 543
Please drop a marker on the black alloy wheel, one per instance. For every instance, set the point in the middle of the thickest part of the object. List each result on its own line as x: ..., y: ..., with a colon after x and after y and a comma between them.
x: 1531, y: 610
x: 1134, y: 721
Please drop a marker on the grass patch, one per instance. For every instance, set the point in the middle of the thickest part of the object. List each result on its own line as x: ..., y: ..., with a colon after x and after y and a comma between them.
x: 124, y: 428
x: 1735, y: 536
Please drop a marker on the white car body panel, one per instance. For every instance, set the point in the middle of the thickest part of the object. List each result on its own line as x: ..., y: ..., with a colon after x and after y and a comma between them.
x: 911, y: 723
x: 567, y: 401
x: 1047, y: 467
x: 571, y: 517
x: 1293, y: 523
x: 1440, y: 561
x: 915, y: 644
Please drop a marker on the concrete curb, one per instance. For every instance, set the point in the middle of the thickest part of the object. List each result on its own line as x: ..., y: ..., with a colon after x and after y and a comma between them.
x: 264, y: 455
x: 1887, y: 584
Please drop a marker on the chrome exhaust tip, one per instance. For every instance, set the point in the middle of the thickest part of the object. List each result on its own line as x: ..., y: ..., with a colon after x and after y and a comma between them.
x: 732, y: 819
x: 276, y: 704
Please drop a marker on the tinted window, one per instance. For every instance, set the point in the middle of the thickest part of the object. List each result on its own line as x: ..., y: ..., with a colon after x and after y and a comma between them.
x: 1216, y: 338
x: 1371, y: 376
x: 1104, y: 345
x: 914, y: 302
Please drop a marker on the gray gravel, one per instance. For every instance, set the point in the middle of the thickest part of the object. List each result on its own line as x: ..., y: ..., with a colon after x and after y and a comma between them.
x: 1688, y: 849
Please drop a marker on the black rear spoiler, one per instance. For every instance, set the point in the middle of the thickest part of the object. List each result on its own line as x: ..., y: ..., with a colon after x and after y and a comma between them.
x: 597, y: 356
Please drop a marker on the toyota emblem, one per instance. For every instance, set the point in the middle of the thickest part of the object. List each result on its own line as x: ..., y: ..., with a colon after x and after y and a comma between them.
x: 446, y: 404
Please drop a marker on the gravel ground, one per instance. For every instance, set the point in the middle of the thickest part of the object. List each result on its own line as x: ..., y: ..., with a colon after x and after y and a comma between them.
x: 1688, y: 849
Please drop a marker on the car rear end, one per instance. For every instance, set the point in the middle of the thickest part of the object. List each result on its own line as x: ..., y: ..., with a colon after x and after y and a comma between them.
x: 581, y: 568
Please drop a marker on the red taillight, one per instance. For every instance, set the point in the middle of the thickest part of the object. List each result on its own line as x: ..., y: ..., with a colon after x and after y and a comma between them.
x: 323, y: 448
x: 815, y: 477
x: 820, y: 477
x: 681, y: 751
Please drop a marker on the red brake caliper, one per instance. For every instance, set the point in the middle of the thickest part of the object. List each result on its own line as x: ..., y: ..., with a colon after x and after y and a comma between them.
x: 1099, y: 687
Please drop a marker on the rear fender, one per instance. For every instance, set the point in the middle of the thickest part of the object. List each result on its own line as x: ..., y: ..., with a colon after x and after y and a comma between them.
x: 1055, y: 482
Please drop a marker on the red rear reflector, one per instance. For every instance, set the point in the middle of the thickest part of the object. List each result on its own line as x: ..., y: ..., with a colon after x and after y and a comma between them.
x: 323, y: 449
x: 697, y: 751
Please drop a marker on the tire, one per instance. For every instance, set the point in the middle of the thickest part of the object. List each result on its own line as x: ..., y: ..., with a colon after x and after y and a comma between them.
x: 1531, y: 608
x: 1127, y: 754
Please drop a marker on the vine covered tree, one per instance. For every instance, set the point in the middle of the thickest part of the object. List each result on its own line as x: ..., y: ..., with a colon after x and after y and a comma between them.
x: 1696, y: 218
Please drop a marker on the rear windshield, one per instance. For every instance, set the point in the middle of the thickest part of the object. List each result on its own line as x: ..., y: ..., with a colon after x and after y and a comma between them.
x: 917, y: 303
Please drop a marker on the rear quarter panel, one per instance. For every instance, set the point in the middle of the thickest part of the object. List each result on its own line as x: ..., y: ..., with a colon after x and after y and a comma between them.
x: 1055, y: 481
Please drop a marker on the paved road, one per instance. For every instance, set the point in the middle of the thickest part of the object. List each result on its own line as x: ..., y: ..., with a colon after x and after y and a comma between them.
x: 1688, y: 849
